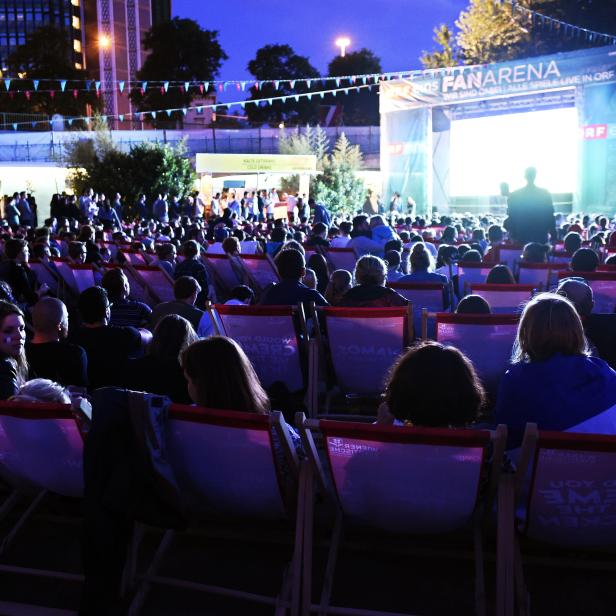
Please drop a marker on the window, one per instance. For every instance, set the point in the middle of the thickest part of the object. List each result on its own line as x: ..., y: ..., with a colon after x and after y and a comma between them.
x: 75, y: 2
x: 77, y: 45
x: 76, y: 22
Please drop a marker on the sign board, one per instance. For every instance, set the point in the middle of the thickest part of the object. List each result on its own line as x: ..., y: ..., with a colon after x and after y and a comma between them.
x: 256, y: 163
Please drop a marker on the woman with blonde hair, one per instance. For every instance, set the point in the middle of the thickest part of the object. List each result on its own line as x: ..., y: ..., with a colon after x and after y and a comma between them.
x: 553, y: 381
x: 370, y: 290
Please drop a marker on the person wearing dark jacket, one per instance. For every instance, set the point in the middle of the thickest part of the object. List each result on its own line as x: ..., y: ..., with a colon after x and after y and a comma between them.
x: 13, y: 364
x: 16, y: 272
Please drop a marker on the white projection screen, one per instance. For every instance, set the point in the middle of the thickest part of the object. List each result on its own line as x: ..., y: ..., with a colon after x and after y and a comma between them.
x: 488, y: 150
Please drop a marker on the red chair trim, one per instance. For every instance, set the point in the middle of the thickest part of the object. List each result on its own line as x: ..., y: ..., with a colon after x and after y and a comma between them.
x: 503, y: 287
x: 259, y: 311
x: 477, y: 319
x: 35, y: 410
x: 417, y: 286
x: 588, y: 275
x: 368, y: 313
x: 218, y: 417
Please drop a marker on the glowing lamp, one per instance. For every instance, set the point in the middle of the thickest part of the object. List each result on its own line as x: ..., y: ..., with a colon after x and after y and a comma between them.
x: 343, y: 42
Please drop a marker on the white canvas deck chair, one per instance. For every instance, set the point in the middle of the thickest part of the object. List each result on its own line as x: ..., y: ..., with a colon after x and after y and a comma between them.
x: 428, y: 296
x: 472, y: 273
x: 563, y: 495
x: 156, y: 281
x: 45, y: 275
x: 133, y: 257
x: 504, y: 298
x: 396, y: 481
x: 224, y: 272
x: 41, y: 449
x: 225, y: 463
x: 603, y: 285
x: 77, y: 277
x: 341, y: 258
x: 261, y: 271
x: 270, y: 337
x: 509, y: 255
x: 543, y: 276
x: 486, y: 339
x: 363, y: 343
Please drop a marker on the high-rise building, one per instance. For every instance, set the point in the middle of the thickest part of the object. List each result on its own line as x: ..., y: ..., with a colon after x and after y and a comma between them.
x: 19, y: 18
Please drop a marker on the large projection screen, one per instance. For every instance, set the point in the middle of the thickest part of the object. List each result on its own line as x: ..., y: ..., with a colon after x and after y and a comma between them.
x: 488, y: 150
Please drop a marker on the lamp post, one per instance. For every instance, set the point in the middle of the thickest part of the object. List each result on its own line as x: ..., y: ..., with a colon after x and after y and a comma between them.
x: 343, y: 42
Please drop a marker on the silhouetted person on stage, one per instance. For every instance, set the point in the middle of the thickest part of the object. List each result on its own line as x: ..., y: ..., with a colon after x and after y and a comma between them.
x: 530, y: 212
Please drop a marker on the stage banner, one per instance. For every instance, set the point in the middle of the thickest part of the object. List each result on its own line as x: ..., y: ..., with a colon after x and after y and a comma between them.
x: 406, y: 161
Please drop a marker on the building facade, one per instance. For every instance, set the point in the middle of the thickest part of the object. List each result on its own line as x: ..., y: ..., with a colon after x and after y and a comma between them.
x: 19, y: 18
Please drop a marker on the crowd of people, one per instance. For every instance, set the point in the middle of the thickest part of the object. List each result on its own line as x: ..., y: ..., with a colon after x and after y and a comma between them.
x: 564, y: 353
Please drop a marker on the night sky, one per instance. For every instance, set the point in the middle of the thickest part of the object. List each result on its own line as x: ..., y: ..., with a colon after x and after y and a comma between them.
x: 395, y: 30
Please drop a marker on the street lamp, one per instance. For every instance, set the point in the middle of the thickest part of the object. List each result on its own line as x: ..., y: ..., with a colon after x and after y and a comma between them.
x: 343, y: 42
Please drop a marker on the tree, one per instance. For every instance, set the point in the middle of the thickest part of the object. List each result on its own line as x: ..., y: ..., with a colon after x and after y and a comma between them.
x: 490, y: 31
x: 313, y: 140
x: 280, y: 63
x: 360, y: 108
x: 448, y: 54
x: 179, y: 50
x: 337, y: 185
x: 148, y: 168
x: 47, y: 54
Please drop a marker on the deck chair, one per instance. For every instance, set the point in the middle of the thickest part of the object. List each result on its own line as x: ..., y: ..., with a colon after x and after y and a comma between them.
x: 261, y: 271
x: 472, y: 273
x: 563, y: 495
x: 41, y: 450
x: 438, y: 493
x: 363, y: 343
x: 603, y: 285
x: 486, y: 339
x: 560, y: 256
x: 504, y: 298
x: 509, y: 255
x: 155, y: 280
x: 269, y: 337
x: 138, y: 291
x: 249, y: 247
x: 341, y: 258
x: 423, y: 296
x: 542, y: 276
x: 224, y: 274
x: 133, y: 257
x: 45, y: 275
x: 225, y: 465
x: 77, y: 277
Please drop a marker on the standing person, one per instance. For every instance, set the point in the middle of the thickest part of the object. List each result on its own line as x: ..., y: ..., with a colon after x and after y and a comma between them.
x: 160, y: 209
x: 261, y: 204
x: 370, y: 206
x: 25, y: 211
x: 320, y: 212
x: 394, y: 204
x: 11, y: 212
x: 215, y: 205
x: 530, y: 212
x: 142, y: 208
x: 85, y: 201
x: 13, y: 364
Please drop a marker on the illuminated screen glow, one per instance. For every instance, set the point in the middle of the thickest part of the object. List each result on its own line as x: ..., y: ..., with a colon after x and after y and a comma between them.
x: 489, y: 150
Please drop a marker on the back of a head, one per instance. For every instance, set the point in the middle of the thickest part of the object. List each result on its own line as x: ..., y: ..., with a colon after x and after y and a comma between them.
x: 93, y: 304
x: 115, y: 283
x: 278, y: 235
x: 584, y: 260
x: 184, y: 287
x: 222, y: 377
x: 290, y: 264
x: 534, y: 252
x: 172, y: 335
x: 420, y: 258
x: 495, y: 234
x: 319, y: 228
x: 49, y: 315
x: 242, y: 293
x: 473, y: 304
x: 572, y: 242
x: 190, y: 249
x: 393, y: 258
x: 13, y: 247
x: 427, y: 368
x: 370, y: 270
x: 42, y: 390
x: 472, y: 256
x: 231, y: 245
x: 578, y: 293
x: 500, y: 274
x: 339, y: 283
x: 549, y: 326
x: 530, y: 174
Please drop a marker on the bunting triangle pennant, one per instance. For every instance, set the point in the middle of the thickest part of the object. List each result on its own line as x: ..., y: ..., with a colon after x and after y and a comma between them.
x: 257, y: 86
x: 121, y: 117
x: 52, y: 93
x: 75, y: 93
x: 297, y: 98
x: 309, y: 82
x: 292, y: 83
x: 168, y: 113
x: 186, y: 85
x: 153, y: 114
x: 346, y: 90
x: 337, y: 82
x: 63, y: 85
x: 97, y: 85
x: 322, y: 94
x: 237, y: 86
x: 206, y: 85
x: 36, y: 84
x: 121, y: 86
x: 14, y: 125
x: 182, y: 89
x: 364, y: 79
x: 309, y: 96
x: 7, y: 83
x: 276, y: 84
x: 242, y: 85
x: 185, y: 111
x: 34, y: 124
x: 166, y: 86
x: 201, y: 88
x: 27, y: 94
x: 87, y: 121
x: 144, y: 86
x: 220, y: 87
x: 242, y: 104
x: 200, y: 109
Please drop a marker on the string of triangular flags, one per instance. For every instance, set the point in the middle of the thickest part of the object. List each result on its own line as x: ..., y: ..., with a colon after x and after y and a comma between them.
x: 152, y: 115
x: 566, y: 28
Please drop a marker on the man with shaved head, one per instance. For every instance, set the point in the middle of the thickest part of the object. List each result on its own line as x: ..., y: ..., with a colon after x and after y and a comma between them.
x: 49, y: 356
x: 600, y: 329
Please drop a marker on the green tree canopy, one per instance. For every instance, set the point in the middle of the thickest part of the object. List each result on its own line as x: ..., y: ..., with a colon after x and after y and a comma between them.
x: 359, y: 108
x: 47, y: 54
x: 179, y: 50
x: 281, y: 63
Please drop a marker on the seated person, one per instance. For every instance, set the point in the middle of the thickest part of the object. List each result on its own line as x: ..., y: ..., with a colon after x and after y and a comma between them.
x: 339, y: 283
x: 472, y: 256
x: 500, y: 274
x: 49, y: 355
x: 317, y: 263
x: 534, y: 252
x: 290, y: 290
x: 318, y: 237
x: 159, y: 371
x: 185, y: 290
x: 424, y: 369
x: 584, y: 260
x: 421, y: 262
x: 473, y: 304
x: 13, y: 364
x: 370, y: 290
x: 42, y: 390
x: 124, y: 311
x: 553, y: 382
x: 572, y: 242
x: 14, y: 270
x: 393, y: 258
x: 108, y: 347
x: 310, y: 279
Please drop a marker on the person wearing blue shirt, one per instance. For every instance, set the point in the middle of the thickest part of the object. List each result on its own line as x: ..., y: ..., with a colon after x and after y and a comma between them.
x: 320, y: 213
x: 553, y: 382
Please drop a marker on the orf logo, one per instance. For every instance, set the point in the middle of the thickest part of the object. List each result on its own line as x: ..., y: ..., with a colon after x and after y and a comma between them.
x: 593, y: 131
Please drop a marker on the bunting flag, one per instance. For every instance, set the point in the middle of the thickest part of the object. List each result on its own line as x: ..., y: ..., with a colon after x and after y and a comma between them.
x: 144, y: 87
x: 7, y: 83
x: 121, y: 86
x: 121, y: 117
x: 35, y: 83
x: 63, y: 85
x: 186, y: 85
x: 276, y: 84
x: 166, y: 86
